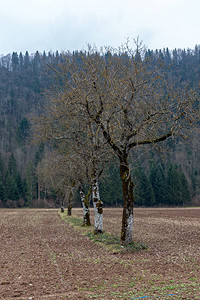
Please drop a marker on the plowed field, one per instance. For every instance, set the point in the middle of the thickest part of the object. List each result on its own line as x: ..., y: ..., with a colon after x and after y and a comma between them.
x: 42, y: 257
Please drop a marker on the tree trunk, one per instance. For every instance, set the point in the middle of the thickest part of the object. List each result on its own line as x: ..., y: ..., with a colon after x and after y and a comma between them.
x: 45, y: 196
x: 98, y: 205
x: 70, y: 198
x: 69, y: 205
x: 69, y: 210
x: 86, y: 206
x: 128, y: 199
x: 62, y: 208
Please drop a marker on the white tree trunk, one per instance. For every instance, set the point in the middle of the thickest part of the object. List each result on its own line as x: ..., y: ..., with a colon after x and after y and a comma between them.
x: 98, y: 205
x: 129, y: 230
x: 86, y: 209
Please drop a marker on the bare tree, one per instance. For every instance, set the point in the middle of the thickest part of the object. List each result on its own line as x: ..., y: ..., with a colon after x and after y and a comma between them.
x: 81, y: 143
x: 56, y: 173
x: 127, y: 98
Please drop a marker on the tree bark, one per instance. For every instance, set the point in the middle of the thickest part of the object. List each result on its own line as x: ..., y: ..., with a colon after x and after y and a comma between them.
x: 70, y: 198
x: 69, y: 210
x: 62, y: 207
x: 98, y: 204
x: 86, y: 206
x: 128, y: 201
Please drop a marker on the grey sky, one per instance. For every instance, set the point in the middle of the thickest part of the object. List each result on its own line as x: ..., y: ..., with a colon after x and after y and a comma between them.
x: 72, y: 24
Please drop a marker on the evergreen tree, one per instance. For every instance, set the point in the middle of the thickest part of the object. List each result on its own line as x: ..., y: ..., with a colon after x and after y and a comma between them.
x: 1, y: 168
x: 143, y: 192
x: 186, y: 198
x: 26, y: 60
x: 10, y: 190
x: 36, y: 63
x: 167, y: 56
x: 19, y: 185
x: 14, y: 189
x: 15, y: 61
x: 1, y: 181
x: 21, y: 61
x: 30, y: 182
x: 22, y: 131
x: 194, y: 179
x: 173, y: 186
x: 177, y: 187
x: 158, y: 181
x: 110, y: 187
x: 12, y: 166
x: 1, y: 192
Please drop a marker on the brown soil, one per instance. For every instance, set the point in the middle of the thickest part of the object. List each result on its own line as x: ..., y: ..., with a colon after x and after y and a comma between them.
x: 41, y: 257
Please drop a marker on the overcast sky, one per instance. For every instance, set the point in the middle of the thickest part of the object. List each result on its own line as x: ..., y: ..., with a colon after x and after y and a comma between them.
x: 71, y: 24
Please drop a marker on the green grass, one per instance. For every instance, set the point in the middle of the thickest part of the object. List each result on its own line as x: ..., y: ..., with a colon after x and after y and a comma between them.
x: 70, y: 219
x: 175, y: 291
x: 106, y: 239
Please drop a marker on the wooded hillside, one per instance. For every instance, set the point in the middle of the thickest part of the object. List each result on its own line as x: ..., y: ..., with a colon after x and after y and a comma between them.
x: 163, y: 177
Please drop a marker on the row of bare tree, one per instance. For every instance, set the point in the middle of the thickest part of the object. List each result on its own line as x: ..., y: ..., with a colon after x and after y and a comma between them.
x: 108, y: 103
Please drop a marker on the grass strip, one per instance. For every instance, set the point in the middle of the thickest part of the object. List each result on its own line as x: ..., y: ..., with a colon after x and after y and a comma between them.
x: 106, y: 239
